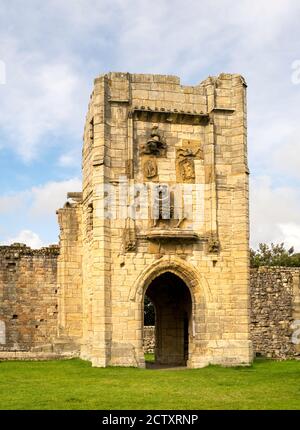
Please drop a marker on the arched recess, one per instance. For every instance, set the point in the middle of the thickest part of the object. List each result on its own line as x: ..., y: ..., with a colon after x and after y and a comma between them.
x: 195, y: 281
x: 173, y: 326
x: 166, y: 270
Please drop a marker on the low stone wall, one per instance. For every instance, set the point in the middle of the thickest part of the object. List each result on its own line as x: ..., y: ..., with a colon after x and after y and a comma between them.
x: 149, y: 339
x: 275, y: 294
x: 28, y: 298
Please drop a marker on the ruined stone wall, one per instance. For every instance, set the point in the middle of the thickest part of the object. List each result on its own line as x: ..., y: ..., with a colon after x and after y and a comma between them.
x: 275, y: 293
x: 149, y: 339
x: 28, y: 298
x: 69, y: 271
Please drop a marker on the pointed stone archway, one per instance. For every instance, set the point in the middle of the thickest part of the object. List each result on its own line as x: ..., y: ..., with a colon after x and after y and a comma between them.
x: 184, y: 282
x: 173, y: 326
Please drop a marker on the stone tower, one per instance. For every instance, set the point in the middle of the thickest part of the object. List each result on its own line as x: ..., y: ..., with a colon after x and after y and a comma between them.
x: 163, y: 212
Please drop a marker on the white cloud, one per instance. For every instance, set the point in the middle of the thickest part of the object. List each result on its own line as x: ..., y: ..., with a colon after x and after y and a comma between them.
x: 186, y: 37
x: 46, y: 199
x: 286, y: 156
x: 47, y: 88
x: 34, y: 209
x: 49, y: 61
x: 39, y: 100
x: 274, y: 213
x: 28, y: 237
x: 69, y: 159
x: 40, y: 200
x: 66, y: 160
x: 291, y: 234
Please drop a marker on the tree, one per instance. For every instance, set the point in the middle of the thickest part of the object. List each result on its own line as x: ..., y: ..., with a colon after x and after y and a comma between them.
x: 274, y: 255
x: 149, y: 312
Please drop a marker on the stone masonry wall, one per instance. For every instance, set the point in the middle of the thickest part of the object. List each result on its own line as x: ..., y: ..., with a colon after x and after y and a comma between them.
x: 274, y: 295
x: 149, y: 339
x: 69, y: 273
x: 28, y: 298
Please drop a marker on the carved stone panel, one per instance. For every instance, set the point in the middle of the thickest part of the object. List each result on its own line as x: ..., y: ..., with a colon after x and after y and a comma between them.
x: 149, y: 168
x: 187, y: 169
x: 185, y: 156
x: 213, y: 244
x: 155, y: 144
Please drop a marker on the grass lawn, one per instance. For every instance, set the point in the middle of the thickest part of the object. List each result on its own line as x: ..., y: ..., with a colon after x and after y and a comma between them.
x: 74, y: 384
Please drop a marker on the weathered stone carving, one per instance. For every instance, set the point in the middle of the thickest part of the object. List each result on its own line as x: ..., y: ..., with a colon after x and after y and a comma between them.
x: 155, y: 144
x: 185, y: 156
x: 213, y: 245
x: 130, y: 245
x: 187, y: 169
x: 129, y: 236
x: 150, y: 168
x: 191, y: 152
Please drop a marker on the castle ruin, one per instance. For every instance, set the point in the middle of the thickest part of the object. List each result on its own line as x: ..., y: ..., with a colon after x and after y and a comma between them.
x: 163, y: 212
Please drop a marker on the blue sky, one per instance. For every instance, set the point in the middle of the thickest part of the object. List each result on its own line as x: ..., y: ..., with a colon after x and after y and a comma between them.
x: 51, y: 51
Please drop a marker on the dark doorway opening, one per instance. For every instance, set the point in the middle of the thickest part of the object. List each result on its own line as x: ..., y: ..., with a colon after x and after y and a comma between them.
x: 172, y: 302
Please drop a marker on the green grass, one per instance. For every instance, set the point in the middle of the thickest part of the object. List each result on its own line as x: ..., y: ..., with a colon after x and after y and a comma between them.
x: 150, y: 358
x: 74, y: 384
